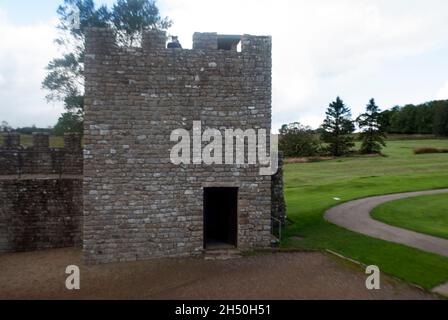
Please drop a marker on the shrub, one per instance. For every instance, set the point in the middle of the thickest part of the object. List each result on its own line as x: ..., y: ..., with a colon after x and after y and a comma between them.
x: 424, y: 150
x: 298, y: 141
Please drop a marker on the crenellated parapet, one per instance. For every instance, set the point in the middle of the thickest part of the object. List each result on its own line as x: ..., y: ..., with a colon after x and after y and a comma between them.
x: 100, y: 41
x: 137, y: 203
x: 39, y: 157
x: 40, y: 193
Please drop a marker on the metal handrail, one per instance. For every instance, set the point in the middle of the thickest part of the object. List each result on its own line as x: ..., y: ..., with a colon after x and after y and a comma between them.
x: 279, y: 227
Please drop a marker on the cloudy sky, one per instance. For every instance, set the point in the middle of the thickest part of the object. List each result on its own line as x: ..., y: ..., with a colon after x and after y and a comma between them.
x: 395, y: 51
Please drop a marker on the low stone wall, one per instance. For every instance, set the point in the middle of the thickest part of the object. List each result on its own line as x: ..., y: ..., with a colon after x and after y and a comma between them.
x: 40, y: 194
x: 39, y: 158
x: 278, y: 208
x: 38, y: 214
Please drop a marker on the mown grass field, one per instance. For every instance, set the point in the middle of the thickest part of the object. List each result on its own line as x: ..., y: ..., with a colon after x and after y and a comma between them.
x: 310, y: 189
x: 425, y: 214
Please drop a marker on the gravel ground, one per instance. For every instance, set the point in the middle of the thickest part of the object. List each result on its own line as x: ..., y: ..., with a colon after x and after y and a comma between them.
x: 41, y: 275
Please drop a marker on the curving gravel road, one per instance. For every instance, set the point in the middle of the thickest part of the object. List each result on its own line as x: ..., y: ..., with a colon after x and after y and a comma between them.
x: 355, y: 216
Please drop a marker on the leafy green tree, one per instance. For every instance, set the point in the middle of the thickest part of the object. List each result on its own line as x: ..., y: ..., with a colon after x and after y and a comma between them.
x: 372, y: 135
x: 5, y: 127
x: 385, y: 119
x: 338, y: 128
x: 426, y: 118
x: 65, y: 75
x: 441, y: 118
x: 130, y: 17
x: 405, y: 120
x: 69, y: 122
x: 33, y: 129
x: 297, y: 140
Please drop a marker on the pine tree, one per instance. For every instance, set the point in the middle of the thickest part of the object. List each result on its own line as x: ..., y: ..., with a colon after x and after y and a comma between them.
x: 338, y: 128
x: 372, y: 134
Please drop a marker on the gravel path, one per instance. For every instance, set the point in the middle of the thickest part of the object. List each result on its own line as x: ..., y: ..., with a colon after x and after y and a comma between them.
x: 355, y: 216
x: 41, y: 275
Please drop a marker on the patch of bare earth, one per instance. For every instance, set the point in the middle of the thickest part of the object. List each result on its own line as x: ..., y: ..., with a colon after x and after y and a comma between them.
x: 41, y: 275
x: 306, y: 159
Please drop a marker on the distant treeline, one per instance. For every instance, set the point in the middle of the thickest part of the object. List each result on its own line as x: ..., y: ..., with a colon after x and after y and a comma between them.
x: 31, y: 130
x: 337, y: 133
x: 5, y: 128
x: 427, y: 118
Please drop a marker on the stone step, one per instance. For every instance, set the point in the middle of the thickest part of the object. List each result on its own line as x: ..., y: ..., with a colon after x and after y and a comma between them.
x: 222, y: 254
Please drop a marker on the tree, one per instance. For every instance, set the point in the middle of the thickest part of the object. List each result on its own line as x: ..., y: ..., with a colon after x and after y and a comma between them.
x: 130, y: 17
x: 65, y: 79
x: 426, y: 118
x: 69, y: 122
x: 372, y: 135
x: 297, y: 140
x: 5, y: 127
x: 338, y: 128
x: 407, y: 119
x: 32, y: 129
x: 385, y: 119
x: 65, y: 74
x: 441, y: 118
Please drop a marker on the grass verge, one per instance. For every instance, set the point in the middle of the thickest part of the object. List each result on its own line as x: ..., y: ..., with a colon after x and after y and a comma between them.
x: 311, y: 189
x: 424, y: 214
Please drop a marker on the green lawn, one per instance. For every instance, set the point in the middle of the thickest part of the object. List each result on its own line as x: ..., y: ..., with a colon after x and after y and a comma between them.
x: 425, y: 214
x: 310, y: 190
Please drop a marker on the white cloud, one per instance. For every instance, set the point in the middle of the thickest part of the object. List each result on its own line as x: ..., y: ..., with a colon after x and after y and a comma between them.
x: 322, y: 49
x: 2, y: 81
x: 320, y: 44
x: 25, y: 50
x: 442, y: 94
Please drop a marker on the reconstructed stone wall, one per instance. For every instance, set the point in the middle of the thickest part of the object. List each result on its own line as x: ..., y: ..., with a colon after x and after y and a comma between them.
x: 40, y: 194
x: 137, y: 204
x: 278, y: 209
x: 40, y: 214
x: 39, y: 158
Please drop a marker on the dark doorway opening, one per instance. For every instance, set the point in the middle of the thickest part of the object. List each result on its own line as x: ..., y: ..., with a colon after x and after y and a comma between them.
x: 220, y: 217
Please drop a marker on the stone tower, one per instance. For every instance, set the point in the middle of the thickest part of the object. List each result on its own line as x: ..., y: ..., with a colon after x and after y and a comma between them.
x: 137, y: 203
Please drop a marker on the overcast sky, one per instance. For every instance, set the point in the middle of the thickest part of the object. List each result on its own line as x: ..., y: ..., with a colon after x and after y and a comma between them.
x: 395, y: 51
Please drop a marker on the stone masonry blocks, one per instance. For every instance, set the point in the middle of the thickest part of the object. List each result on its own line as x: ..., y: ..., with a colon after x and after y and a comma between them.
x: 137, y: 204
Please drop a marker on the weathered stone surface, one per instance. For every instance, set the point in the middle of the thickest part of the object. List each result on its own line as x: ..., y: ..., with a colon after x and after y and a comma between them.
x: 137, y: 204
x: 40, y: 158
x: 278, y: 198
x: 40, y: 194
x: 40, y: 214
